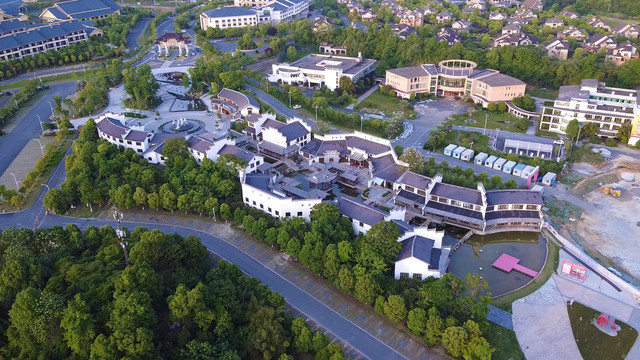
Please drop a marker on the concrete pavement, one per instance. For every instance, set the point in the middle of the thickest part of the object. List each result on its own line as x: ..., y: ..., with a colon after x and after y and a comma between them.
x: 364, y: 96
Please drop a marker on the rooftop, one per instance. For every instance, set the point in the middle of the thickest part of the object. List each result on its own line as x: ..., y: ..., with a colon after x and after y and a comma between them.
x: 228, y: 11
x: 417, y: 247
x: 498, y: 197
x: 459, y: 193
x: 356, y: 210
x: 348, y: 65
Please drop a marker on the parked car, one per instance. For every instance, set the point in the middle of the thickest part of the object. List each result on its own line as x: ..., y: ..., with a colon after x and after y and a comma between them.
x: 297, y: 106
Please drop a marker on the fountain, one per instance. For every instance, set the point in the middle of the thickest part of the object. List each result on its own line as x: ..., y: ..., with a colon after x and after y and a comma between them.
x: 181, y: 125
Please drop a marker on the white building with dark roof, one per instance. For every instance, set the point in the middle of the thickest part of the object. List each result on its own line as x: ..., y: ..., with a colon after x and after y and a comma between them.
x: 228, y: 17
x: 628, y: 31
x: 364, y: 216
x: 281, y: 140
x: 322, y: 70
x: 421, y: 255
x: 235, y: 104
x: 37, y: 38
x: 80, y: 10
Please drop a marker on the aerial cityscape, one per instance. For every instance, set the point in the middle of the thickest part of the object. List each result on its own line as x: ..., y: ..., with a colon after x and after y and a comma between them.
x: 320, y: 179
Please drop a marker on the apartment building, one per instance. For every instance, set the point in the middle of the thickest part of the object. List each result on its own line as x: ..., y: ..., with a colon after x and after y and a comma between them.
x: 228, y: 17
x: 80, y: 10
x: 593, y: 101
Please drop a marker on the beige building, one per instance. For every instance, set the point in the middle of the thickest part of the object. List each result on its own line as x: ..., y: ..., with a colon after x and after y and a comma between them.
x: 455, y: 78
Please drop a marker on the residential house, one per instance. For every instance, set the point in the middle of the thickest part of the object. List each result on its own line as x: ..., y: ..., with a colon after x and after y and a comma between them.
x: 513, y: 40
x: 622, y: 53
x: 535, y: 5
x: 368, y: 16
x: 449, y: 35
x: 553, y: 22
x: 569, y: 14
x: 524, y: 13
x: 572, y: 32
x: 461, y: 25
x: 403, y: 31
x: 444, y: 17
x: 597, y: 42
x: 511, y: 29
x: 625, y: 30
x: 558, y: 49
x: 597, y: 23
x: 322, y: 24
x: 411, y: 18
x: 330, y: 49
x: 497, y: 16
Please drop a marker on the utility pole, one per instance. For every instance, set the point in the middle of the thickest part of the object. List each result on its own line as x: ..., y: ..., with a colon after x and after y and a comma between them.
x: 16, y: 180
x: 486, y: 117
x: 121, y: 235
x: 316, y: 114
x: 289, y: 97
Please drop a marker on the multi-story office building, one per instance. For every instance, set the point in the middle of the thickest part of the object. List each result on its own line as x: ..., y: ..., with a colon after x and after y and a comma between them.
x: 592, y: 101
x: 322, y: 70
x: 228, y: 17
x: 80, y: 10
x: 455, y: 78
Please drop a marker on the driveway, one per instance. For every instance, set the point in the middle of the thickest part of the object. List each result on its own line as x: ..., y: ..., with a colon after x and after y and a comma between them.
x: 132, y: 44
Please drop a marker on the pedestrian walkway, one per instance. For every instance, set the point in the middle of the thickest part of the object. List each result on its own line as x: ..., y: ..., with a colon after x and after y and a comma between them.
x: 500, y: 317
x: 392, y: 334
x: 363, y: 96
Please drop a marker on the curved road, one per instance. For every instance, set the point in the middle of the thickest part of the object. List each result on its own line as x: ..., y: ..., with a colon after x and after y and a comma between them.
x: 327, y: 318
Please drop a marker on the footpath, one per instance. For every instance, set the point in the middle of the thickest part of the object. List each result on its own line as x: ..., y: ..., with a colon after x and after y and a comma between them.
x: 394, y: 335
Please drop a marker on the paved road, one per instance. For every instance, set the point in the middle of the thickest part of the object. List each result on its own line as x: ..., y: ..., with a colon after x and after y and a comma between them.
x: 132, y: 43
x: 28, y: 127
x: 279, y: 107
x: 165, y: 26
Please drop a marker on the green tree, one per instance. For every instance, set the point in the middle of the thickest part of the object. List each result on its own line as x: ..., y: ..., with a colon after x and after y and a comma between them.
x: 78, y: 325
x: 345, y: 280
x: 395, y: 308
x: 225, y: 212
x: 267, y: 337
x: 153, y: 200
x: 454, y: 340
x: 413, y: 158
x: 294, y: 247
x: 572, y: 128
x: 131, y: 322
x: 232, y: 79
x: 346, y: 84
x: 624, y: 133
x: 292, y: 53
x: 379, y: 247
x: 365, y: 288
x: 434, y: 327
x: 56, y: 200
x: 417, y: 321
x: 302, y: 335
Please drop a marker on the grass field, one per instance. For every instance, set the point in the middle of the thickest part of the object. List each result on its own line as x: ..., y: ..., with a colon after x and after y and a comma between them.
x: 542, y: 92
x: 465, y: 138
x: 505, y: 343
x: 593, y: 343
x: 502, y: 121
x: 53, y: 79
x: 584, y: 154
x: 386, y: 104
x: 504, y: 302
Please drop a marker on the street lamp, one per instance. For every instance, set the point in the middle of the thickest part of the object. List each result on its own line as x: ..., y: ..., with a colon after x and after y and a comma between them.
x: 214, y: 213
x: 48, y: 188
x: 50, y: 107
x: 266, y: 77
x: 40, y: 121
x: 41, y: 147
x: 316, y: 114
x: 486, y: 117
x: 578, y: 137
x: 289, y: 97
x: 16, y: 180
x: 121, y: 235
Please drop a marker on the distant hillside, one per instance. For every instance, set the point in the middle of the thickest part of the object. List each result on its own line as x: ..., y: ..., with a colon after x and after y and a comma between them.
x: 628, y: 7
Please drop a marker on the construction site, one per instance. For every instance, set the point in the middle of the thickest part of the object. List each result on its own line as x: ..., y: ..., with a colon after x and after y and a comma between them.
x: 599, y: 208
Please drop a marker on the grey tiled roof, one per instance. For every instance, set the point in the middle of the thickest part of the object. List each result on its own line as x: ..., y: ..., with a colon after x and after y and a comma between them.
x: 454, y: 212
x: 228, y: 11
x: 111, y: 127
x: 522, y: 214
x: 83, y: 9
x: 369, y: 146
x: 386, y: 168
x: 457, y: 193
x: 234, y: 150
x: 409, y: 72
x: 501, y: 80
x: 40, y: 33
x: 10, y: 25
x: 417, y: 247
x: 198, y: 144
x: 403, y: 226
x: 356, y: 210
x: 136, y: 135
x: 497, y: 197
x: 239, y: 99
x: 293, y: 130
x: 415, y: 180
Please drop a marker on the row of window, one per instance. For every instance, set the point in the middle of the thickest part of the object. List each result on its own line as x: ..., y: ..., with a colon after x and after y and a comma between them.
x: 404, y: 275
x: 269, y: 210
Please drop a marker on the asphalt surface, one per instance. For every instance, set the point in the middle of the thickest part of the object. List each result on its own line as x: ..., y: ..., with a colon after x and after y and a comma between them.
x: 132, y: 43
x: 165, y: 26
x: 279, y: 107
x: 329, y: 319
x: 29, y: 127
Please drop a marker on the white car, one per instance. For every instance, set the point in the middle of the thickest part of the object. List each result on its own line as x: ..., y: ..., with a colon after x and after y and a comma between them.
x: 297, y: 107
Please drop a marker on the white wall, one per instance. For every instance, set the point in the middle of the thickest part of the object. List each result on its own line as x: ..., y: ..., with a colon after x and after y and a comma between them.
x: 414, y: 266
x: 276, y: 206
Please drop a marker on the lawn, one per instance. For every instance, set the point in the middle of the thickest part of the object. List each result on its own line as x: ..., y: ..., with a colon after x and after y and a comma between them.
x: 464, y: 138
x: 542, y: 92
x: 386, y: 104
x: 505, y: 343
x: 593, y: 343
x: 53, y: 79
x: 502, y: 121
x: 504, y: 302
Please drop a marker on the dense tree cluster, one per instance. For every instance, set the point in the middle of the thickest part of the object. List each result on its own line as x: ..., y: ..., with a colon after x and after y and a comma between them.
x: 18, y: 100
x: 141, y: 86
x: 65, y: 293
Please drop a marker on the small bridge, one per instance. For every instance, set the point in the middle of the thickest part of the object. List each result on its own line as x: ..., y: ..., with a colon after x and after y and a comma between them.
x: 461, y: 242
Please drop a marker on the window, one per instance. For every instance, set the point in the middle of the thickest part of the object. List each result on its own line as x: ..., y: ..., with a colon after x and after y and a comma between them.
x: 246, y: 199
x: 269, y: 209
x: 417, y: 276
x: 503, y: 207
x: 532, y: 207
x: 404, y: 275
x: 517, y: 207
x: 261, y: 206
x: 254, y: 203
x: 288, y: 214
x: 361, y: 223
x: 299, y: 213
x: 277, y: 213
